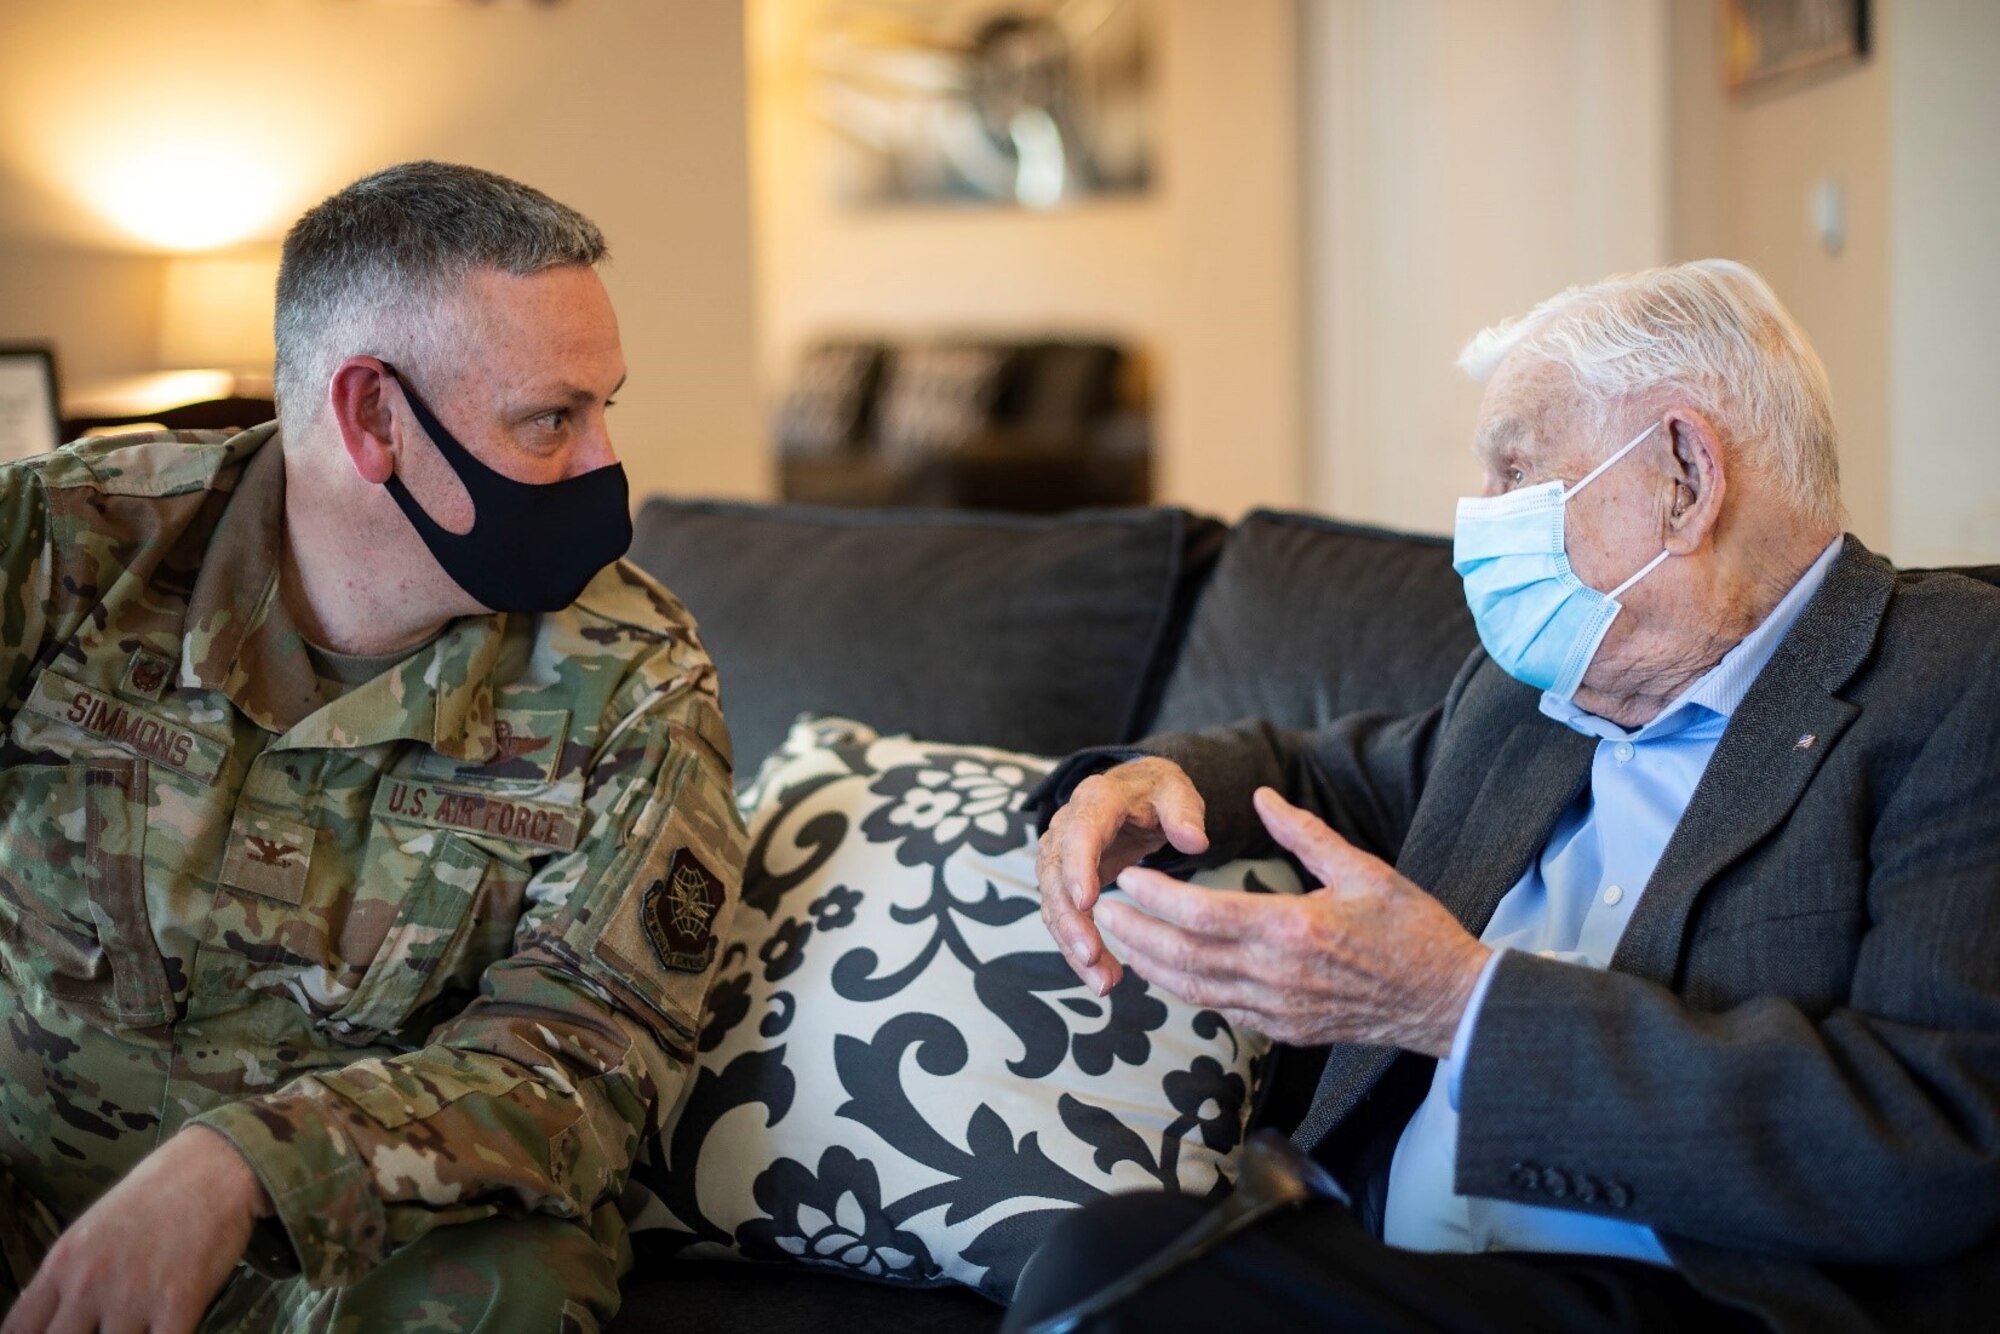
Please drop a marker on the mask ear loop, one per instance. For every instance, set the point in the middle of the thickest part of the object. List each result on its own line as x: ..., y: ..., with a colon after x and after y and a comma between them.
x: 1644, y: 570
x: 1598, y: 472
x: 1605, y: 466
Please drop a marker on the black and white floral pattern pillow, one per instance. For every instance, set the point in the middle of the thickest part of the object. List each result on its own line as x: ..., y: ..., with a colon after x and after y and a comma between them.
x: 898, y: 1075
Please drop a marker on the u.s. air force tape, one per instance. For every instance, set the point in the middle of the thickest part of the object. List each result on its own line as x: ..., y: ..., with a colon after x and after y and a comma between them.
x: 456, y: 806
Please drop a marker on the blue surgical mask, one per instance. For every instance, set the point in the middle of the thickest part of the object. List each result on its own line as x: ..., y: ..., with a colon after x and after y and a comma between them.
x: 1539, y: 621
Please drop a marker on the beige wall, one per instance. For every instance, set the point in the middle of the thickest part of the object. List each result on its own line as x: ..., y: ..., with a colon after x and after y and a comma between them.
x: 1743, y: 173
x: 1902, y: 313
x: 100, y: 310
x: 1202, y: 272
x: 1463, y: 160
x: 632, y: 110
x: 1945, y: 108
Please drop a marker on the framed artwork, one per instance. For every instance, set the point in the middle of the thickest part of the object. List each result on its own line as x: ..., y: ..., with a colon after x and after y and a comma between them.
x: 30, y: 415
x: 1024, y: 103
x: 1769, y: 43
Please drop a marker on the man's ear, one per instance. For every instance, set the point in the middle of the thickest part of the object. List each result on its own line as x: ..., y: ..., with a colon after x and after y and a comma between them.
x: 1695, y: 468
x: 361, y: 410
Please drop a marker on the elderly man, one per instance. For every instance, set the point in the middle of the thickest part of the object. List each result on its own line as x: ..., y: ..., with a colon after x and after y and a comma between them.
x: 365, y: 824
x: 1660, y: 963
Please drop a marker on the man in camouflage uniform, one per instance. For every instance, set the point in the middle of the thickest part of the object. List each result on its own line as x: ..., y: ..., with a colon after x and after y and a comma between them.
x: 350, y: 924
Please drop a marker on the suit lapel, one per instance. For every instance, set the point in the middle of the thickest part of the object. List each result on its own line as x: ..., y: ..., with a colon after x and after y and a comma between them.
x: 1534, y: 777
x: 1775, y: 743
x: 1535, y: 774
x: 1755, y: 778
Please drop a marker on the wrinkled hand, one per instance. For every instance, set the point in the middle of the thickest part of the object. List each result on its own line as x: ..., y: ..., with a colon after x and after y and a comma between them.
x: 1111, y: 821
x: 1368, y: 958
x: 154, y: 1251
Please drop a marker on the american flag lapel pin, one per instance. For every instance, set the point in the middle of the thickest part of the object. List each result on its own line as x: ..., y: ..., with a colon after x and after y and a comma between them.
x: 1805, y: 742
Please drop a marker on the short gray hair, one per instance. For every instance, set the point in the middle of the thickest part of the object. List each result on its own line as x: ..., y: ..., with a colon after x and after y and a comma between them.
x: 1712, y: 329
x: 378, y: 259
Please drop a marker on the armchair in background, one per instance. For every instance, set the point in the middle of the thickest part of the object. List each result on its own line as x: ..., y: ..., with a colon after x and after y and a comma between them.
x: 1030, y: 426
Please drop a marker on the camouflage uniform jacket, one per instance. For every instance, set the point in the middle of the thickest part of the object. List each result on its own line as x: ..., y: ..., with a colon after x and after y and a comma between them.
x: 427, y: 953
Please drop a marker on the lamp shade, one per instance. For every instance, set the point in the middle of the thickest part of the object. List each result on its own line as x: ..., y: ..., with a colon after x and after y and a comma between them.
x: 215, y: 312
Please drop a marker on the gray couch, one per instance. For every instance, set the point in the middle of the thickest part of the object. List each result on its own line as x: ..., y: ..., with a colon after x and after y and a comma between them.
x: 1035, y: 634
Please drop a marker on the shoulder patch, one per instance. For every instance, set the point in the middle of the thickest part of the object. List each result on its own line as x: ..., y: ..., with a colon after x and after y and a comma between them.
x: 679, y: 913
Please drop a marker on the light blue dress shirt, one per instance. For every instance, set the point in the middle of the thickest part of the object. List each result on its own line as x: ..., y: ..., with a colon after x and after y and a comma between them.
x: 1573, y: 904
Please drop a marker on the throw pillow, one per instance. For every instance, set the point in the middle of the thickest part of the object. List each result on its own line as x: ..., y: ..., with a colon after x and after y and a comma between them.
x: 898, y: 1076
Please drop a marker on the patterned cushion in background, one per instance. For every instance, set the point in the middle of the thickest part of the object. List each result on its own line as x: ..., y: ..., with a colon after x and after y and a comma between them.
x: 937, y: 397
x: 825, y: 408
x: 899, y: 1077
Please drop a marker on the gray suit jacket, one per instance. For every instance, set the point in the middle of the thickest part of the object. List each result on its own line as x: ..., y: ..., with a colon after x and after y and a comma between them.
x: 1791, y: 1069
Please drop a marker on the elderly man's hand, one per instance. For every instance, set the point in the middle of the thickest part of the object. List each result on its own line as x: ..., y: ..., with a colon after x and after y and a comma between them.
x: 1111, y: 821
x: 155, y: 1250
x: 1368, y: 958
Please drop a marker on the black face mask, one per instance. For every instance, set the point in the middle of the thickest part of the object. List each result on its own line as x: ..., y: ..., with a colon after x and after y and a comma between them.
x: 530, y: 548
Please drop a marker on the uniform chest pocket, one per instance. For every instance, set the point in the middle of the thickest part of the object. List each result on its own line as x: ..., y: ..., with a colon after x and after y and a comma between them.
x: 437, y: 895
x: 73, y: 918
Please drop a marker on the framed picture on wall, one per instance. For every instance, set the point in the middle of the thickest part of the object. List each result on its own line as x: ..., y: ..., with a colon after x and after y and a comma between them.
x: 1016, y: 103
x: 30, y: 415
x: 1769, y: 43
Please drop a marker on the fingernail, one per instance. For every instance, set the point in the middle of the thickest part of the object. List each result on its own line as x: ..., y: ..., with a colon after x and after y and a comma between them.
x: 1079, y: 947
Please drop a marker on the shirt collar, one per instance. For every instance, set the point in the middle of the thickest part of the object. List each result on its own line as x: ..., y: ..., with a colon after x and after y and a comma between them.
x: 1724, y: 685
x: 239, y: 639
x: 441, y: 695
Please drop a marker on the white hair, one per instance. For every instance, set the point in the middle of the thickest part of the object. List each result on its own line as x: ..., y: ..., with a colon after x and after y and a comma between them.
x: 1711, y: 329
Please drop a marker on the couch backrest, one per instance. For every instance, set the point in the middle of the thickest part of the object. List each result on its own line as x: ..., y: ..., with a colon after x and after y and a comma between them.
x: 1985, y: 574
x: 1048, y: 634
x: 1306, y: 619
x: 1035, y: 634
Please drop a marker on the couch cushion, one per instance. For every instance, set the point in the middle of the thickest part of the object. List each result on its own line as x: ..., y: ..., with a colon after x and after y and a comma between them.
x: 1306, y: 619
x: 898, y: 1077
x: 1036, y: 634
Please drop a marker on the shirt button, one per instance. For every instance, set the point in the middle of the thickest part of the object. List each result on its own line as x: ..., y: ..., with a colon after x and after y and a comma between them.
x: 1623, y: 750
x: 1612, y: 895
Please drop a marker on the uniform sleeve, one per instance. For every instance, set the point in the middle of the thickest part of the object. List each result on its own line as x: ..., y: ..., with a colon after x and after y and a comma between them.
x: 24, y: 580
x: 536, y: 1096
